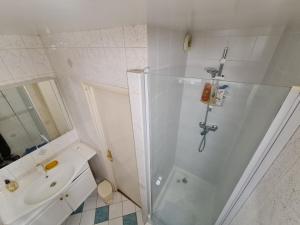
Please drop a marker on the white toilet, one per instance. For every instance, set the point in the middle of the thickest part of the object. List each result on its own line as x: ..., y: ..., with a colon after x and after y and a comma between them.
x: 105, y: 191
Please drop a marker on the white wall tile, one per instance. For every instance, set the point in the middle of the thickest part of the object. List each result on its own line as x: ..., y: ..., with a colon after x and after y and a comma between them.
x: 11, y: 41
x: 32, y: 41
x: 212, y: 48
x: 113, y: 37
x: 94, y: 38
x: 136, y: 58
x: 264, y: 48
x: 240, y: 48
x: 135, y: 36
x: 18, y: 63
x: 5, y: 75
x: 40, y: 62
x: 250, y: 52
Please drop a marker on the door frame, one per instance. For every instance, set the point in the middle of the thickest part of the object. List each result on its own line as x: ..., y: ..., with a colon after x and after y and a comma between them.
x: 97, y: 121
x: 279, y: 133
x: 89, y: 90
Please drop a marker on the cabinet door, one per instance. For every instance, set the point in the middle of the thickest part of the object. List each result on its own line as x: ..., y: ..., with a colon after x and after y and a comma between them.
x: 80, y: 189
x: 55, y: 214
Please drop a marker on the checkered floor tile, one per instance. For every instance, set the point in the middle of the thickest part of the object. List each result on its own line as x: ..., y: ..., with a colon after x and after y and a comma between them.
x: 121, y: 211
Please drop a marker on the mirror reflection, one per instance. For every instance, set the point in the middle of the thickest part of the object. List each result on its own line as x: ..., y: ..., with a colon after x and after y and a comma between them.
x: 30, y: 116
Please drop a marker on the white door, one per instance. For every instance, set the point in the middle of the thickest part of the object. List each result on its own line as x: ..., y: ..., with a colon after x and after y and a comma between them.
x: 114, y: 108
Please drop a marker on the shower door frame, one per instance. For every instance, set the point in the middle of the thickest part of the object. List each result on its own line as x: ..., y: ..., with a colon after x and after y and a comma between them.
x: 280, y: 131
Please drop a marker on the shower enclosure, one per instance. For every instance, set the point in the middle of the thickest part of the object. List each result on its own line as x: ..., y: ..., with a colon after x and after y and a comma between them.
x: 189, y: 187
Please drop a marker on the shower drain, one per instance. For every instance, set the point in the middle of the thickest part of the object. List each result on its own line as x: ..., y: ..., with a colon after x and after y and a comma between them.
x: 183, y: 180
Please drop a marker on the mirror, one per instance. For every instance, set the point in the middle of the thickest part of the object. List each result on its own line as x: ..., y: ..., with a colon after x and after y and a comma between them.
x: 31, y: 115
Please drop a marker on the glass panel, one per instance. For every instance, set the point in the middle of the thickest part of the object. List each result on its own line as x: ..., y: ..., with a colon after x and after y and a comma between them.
x: 191, y: 187
x: 12, y: 132
x: 22, y: 106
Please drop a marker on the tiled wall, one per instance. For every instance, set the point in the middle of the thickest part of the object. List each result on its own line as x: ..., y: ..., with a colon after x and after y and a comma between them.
x: 284, y: 67
x: 22, y: 57
x: 276, y: 198
x: 165, y: 54
x: 96, y: 57
x: 250, y: 51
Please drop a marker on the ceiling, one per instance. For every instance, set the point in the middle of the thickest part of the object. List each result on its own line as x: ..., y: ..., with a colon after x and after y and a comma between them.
x: 65, y: 15
x: 27, y: 16
x: 222, y: 14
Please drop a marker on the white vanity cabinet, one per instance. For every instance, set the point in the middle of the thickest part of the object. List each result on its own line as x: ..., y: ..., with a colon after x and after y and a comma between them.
x: 70, y: 200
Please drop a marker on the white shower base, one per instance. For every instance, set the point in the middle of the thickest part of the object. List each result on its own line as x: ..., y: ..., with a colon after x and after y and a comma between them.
x: 182, y: 203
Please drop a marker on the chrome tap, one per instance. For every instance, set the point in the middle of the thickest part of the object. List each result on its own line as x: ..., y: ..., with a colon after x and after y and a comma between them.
x: 40, y: 168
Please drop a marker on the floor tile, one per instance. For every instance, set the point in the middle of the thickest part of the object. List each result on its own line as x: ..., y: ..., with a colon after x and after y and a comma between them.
x: 128, y: 207
x: 79, y: 209
x: 74, y: 219
x: 117, y: 197
x: 117, y: 221
x: 88, y: 217
x: 94, y: 193
x: 100, y: 202
x: 115, y: 210
x: 102, y: 214
x: 130, y: 219
x: 104, y: 223
x: 139, y: 218
x: 90, y: 203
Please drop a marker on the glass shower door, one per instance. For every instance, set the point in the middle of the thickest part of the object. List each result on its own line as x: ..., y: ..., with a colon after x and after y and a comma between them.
x: 190, y: 187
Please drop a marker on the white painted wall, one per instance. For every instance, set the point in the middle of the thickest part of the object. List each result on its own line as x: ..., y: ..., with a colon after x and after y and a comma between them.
x: 94, y: 56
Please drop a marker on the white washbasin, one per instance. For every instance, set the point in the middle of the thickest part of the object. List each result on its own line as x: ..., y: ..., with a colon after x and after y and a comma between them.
x: 44, y: 188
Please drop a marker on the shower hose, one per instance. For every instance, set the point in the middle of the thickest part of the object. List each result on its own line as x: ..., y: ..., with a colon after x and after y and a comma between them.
x: 204, y: 132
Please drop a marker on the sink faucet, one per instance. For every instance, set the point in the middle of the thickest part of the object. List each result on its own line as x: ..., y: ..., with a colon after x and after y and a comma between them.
x: 41, y: 169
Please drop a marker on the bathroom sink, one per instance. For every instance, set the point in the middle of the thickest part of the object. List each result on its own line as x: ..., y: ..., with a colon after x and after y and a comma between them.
x: 45, y: 188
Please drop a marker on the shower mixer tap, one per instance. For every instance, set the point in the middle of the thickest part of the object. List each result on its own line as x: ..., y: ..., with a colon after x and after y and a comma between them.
x: 206, y: 128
